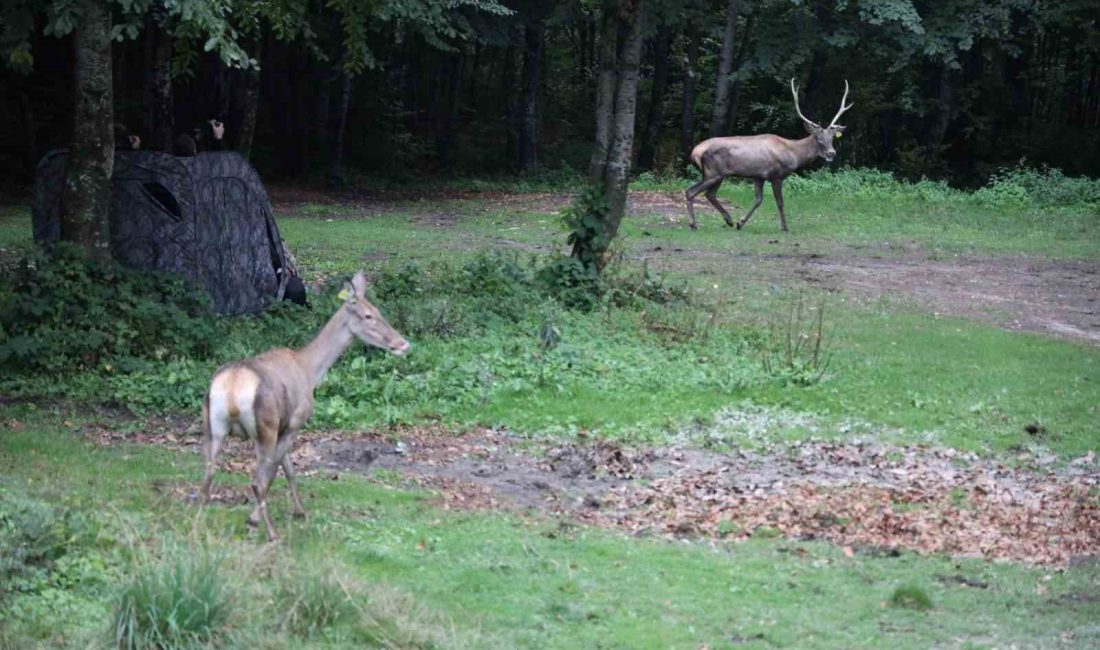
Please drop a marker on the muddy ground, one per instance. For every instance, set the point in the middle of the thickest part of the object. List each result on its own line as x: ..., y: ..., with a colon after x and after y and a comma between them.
x: 1059, y: 298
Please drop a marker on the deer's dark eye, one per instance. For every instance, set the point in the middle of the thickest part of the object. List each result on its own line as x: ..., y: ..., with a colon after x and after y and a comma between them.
x: 367, y: 316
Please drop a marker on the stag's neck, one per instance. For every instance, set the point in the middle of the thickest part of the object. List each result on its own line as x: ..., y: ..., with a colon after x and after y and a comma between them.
x: 325, y: 349
x: 805, y: 151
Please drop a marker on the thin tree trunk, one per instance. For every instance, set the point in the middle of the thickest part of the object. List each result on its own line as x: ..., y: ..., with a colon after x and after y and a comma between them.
x: 534, y: 38
x: 687, y: 113
x: 159, y: 123
x: 605, y: 94
x: 511, y: 106
x: 945, y: 112
x: 87, y: 193
x: 718, y: 124
x: 620, y: 154
x: 615, y: 113
x: 651, y: 136
x: 249, y: 104
x: 341, y: 122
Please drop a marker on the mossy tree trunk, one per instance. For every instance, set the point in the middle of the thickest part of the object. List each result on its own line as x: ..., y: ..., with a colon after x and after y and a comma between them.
x: 719, y: 123
x: 87, y: 193
x: 597, y: 215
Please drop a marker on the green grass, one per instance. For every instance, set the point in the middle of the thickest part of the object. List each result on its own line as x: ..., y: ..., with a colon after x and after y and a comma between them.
x: 378, y: 565
x: 526, y: 581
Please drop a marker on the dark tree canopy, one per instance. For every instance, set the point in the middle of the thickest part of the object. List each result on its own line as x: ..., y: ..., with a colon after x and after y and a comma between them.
x: 949, y: 89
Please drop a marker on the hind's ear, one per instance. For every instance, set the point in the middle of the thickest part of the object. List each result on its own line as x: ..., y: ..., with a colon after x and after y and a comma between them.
x: 347, y: 294
x: 359, y: 283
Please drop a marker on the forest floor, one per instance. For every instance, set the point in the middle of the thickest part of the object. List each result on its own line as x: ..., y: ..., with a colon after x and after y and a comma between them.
x: 938, y: 488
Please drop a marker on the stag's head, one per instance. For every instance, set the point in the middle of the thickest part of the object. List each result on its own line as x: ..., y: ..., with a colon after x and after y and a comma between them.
x: 824, y: 137
x: 365, y: 321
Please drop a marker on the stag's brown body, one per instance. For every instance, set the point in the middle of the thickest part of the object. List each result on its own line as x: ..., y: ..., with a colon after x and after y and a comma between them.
x: 269, y: 397
x: 762, y: 158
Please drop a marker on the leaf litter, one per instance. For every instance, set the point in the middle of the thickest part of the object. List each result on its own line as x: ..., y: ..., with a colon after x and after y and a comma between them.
x: 865, y: 497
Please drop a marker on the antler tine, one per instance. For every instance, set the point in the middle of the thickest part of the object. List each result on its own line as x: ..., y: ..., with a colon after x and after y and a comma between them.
x: 843, y: 108
x: 794, y: 91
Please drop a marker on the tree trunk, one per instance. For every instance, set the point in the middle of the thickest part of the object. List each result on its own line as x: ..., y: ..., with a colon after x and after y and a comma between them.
x: 651, y: 136
x: 945, y: 112
x: 159, y: 123
x: 336, y: 173
x: 534, y: 38
x: 719, y: 125
x: 687, y: 115
x: 607, y: 81
x: 615, y: 112
x: 511, y: 106
x: 87, y: 193
x: 249, y: 101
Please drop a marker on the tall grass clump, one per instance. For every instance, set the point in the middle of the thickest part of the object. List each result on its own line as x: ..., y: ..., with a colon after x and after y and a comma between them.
x: 178, y: 602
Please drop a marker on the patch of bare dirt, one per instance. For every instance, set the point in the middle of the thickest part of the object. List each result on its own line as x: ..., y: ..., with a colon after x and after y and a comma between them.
x: 862, y: 496
x: 878, y: 496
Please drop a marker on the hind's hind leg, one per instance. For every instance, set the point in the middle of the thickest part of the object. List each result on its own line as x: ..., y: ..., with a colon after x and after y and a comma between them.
x: 213, y: 433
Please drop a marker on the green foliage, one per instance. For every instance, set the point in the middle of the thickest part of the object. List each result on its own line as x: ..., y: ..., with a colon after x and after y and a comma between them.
x: 180, y: 602
x: 60, y: 314
x: 34, y: 537
x: 1024, y: 186
x: 584, y: 222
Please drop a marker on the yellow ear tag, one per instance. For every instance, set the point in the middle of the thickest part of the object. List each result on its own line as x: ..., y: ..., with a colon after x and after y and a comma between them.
x: 838, y: 134
x: 343, y: 295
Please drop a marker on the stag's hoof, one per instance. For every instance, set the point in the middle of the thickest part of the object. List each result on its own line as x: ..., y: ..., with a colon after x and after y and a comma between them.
x: 740, y: 225
x: 694, y: 227
x: 731, y: 225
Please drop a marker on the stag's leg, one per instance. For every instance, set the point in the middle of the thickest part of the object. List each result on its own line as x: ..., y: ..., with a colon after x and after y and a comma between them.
x: 759, y: 185
x: 712, y: 196
x: 693, y: 192
x: 267, y: 464
x: 777, y: 189
x: 213, y: 433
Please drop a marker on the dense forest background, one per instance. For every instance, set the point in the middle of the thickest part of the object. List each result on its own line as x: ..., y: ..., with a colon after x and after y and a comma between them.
x: 949, y: 89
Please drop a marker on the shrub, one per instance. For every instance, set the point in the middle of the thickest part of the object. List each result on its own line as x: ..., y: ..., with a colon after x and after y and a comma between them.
x: 1022, y: 186
x: 62, y: 314
x: 34, y: 536
x: 173, y: 604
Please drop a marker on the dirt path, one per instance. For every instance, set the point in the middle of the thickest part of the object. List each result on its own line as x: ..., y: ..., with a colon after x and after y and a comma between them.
x: 1053, y: 297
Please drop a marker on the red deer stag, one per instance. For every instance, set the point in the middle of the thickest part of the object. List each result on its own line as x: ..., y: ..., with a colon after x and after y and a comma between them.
x: 762, y: 158
x: 269, y: 397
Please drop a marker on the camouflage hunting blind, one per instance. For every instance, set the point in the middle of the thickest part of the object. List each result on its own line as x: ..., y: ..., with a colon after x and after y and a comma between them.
x: 205, y: 217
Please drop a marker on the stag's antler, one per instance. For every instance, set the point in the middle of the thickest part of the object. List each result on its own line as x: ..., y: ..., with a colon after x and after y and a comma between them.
x: 843, y: 108
x: 794, y: 91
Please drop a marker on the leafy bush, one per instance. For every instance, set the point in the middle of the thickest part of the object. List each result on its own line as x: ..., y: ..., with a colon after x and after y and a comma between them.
x: 1023, y: 186
x: 62, y: 314
x: 34, y: 536
x: 173, y: 604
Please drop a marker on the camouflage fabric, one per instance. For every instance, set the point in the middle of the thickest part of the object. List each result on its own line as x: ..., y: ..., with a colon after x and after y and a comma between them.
x: 205, y: 217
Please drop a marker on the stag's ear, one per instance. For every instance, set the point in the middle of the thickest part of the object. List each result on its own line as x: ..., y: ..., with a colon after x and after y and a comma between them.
x: 359, y: 283
x: 839, y: 128
x: 809, y: 127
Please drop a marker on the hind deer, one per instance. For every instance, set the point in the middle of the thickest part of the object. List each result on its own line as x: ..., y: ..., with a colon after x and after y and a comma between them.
x: 762, y: 158
x: 269, y: 397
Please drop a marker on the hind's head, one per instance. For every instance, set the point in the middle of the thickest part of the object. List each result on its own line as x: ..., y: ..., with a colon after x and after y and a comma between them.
x: 366, y: 322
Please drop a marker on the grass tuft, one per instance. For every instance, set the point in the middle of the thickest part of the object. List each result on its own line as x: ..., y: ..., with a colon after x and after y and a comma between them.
x: 910, y: 597
x: 175, y: 603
